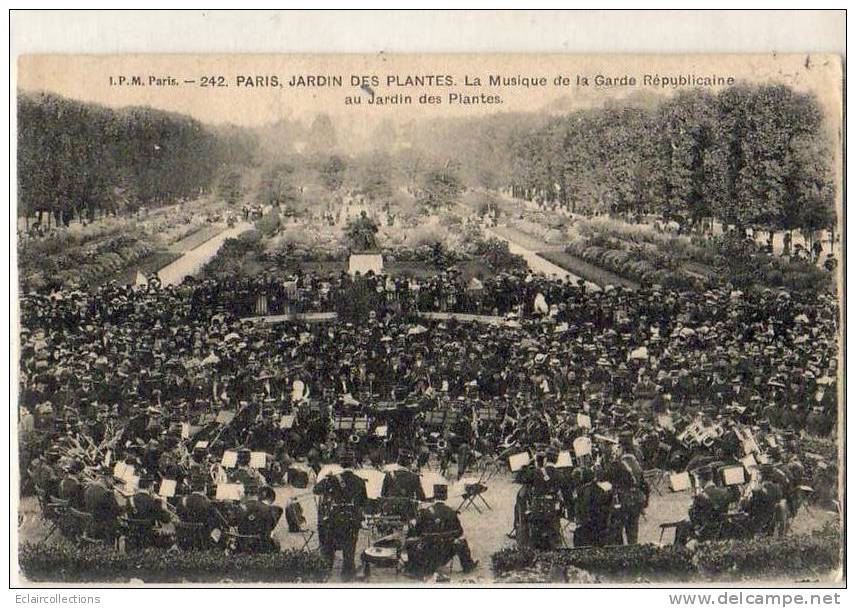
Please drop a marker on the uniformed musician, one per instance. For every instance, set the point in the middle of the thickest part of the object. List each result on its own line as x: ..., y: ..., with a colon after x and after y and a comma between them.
x: 340, y: 514
x: 436, y: 537
x: 256, y: 522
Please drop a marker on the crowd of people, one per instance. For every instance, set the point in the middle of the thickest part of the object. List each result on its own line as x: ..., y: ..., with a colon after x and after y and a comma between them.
x: 169, y: 379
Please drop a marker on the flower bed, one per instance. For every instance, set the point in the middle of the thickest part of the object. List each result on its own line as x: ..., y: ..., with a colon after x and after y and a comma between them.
x: 234, y: 257
x: 817, y: 554
x: 641, y: 253
x: 91, y: 265
x: 546, y: 234
x: 590, y: 272
x: 69, y: 564
x: 638, y: 264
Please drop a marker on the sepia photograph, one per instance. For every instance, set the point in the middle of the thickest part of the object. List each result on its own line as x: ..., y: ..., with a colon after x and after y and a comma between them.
x: 415, y: 319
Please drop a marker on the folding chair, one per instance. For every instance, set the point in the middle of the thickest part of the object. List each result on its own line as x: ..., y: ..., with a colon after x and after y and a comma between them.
x: 473, y: 492
x: 81, y: 525
x: 305, y: 537
x: 491, y: 466
x: 656, y: 478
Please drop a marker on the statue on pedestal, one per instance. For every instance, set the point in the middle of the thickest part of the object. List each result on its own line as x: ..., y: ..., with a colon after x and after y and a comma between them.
x: 361, y: 233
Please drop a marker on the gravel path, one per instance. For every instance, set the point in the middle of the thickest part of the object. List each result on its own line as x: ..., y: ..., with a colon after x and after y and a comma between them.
x: 192, y: 261
x: 537, y: 263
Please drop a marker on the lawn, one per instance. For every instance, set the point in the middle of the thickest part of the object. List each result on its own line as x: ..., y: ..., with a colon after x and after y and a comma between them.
x: 587, y: 271
x: 147, y: 265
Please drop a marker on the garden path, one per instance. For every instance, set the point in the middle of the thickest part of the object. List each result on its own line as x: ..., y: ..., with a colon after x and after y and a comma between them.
x: 537, y: 263
x: 192, y: 261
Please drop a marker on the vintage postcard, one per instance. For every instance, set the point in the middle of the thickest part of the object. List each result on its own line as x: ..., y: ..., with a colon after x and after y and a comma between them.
x: 422, y: 319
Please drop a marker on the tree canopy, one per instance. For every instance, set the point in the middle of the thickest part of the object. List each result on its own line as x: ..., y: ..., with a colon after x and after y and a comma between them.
x: 749, y: 155
x: 74, y: 156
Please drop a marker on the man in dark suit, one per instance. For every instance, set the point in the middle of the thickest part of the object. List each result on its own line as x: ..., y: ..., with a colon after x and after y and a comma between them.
x: 402, y: 482
x: 70, y: 488
x: 257, y: 519
x: 436, y: 537
x: 146, y: 511
x: 100, y: 502
x: 198, y: 520
x: 340, y: 514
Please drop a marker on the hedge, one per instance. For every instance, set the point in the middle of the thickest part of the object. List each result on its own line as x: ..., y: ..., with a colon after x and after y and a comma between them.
x: 70, y: 564
x: 795, y: 555
x: 629, y: 561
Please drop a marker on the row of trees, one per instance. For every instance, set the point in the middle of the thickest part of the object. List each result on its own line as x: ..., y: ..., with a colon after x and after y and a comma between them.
x: 79, y: 159
x: 748, y: 155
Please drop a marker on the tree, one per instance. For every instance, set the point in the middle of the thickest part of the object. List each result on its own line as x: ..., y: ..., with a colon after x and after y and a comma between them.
x: 682, y: 156
x: 83, y: 158
x: 375, y: 177
x: 321, y: 136
x: 231, y: 187
x: 277, y: 185
x: 333, y: 173
x: 440, y: 188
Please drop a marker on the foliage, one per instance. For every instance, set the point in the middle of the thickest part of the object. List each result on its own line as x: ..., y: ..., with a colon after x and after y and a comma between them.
x: 763, y: 556
x: 497, y: 254
x: 77, y: 158
x: 269, y: 224
x: 277, y: 186
x: 640, y: 253
x: 627, y: 561
x: 634, y: 263
x: 749, y: 155
x: 70, y: 564
x: 440, y: 189
x: 795, y: 554
x: 231, y: 187
x: 322, y: 135
x: 739, y: 260
x: 333, y: 173
x: 230, y: 259
x: 374, y: 180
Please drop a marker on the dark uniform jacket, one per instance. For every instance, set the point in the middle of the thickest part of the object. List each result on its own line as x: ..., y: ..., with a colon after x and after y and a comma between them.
x: 71, y: 489
x: 100, y: 502
x: 258, y: 518
x: 340, y: 493
x: 148, y: 507
x: 437, y: 519
x: 198, y: 509
x: 402, y: 484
